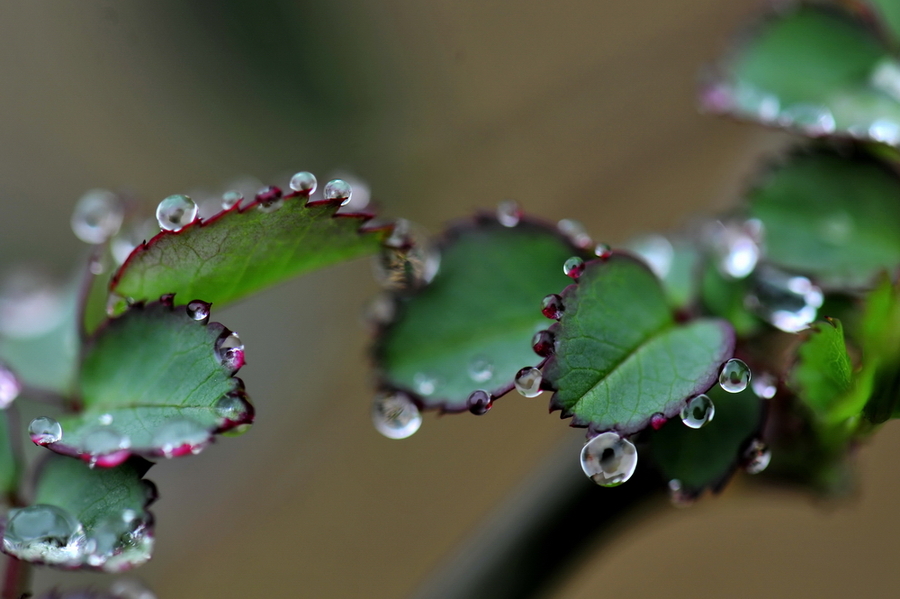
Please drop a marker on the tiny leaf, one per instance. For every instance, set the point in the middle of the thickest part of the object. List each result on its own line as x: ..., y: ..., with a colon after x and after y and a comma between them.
x: 620, y: 357
x: 156, y: 381
x: 480, y: 312
x: 823, y: 375
x: 832, y: 217
x: 85, y: 518
x: 243, y: 249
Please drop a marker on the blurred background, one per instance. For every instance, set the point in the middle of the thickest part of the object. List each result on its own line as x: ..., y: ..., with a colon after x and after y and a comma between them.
x: 579, y: 109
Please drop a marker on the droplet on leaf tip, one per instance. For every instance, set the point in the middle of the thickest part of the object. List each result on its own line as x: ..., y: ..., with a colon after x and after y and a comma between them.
x: 509, y: 213
x: 608, y: 459
x: 552, y: 307
x: 573, y: 267
x: 395, y: 415
x: 543, y: 343
x: 734, y: 376
x: 304, y: 182
x: 176, y: 212
x: 269, y: 199
x: 602, y: 251
x: 337, y: 189
x: 44, y: 430
x: 479, y: 402
x: 198, y: 310
x: 230, y: 199
x: 698, y: 412
x: 233, y: 408
x: 528, y: 381
x: 230, y: 351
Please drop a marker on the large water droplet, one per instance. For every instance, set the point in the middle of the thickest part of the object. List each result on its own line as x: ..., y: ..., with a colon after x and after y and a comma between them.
x: 269, y: 199
x: 885, y: 77
x: 509, y: 213
x: 230, y: 199
x: 479, y: 402
x: 576, y: 233
x: 408, y: 260
x: 180, y: 436
x: 44, y: 430
x: 10, y: 386
x: 230, y: 351
x: 698, y: 412
x: 198, y: 310
x: 656, y: 251
x: 481, y: 369
x: 543, y: 343
x: 608, y: 459
x: 734, y: 376
x: 756, y: 457
x: 528, y: 381
x: 44, y: 533
x: 233, y: 407
x: 809, y: 118
x: 97, y: 216
x: 736, y: 247
x: 395, y: 415
x: 573, y: 267
x: 304, y: 182
x: 764, y: 385
x: 786, y: 301
x: 176, y: 212
x: 337, y: 189
x: 552, y: 307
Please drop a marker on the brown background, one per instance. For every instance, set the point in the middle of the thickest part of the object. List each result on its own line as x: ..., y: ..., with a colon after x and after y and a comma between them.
x: 576, y: 108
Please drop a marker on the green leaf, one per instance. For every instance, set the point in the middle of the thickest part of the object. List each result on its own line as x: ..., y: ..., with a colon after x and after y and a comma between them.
x: 153, y: 383
x: 832, y: 217
x: 823, y: 376
x: 816, y: 70
x: 706, y: 457
x: 483, y: 307
x: 9, y: 466
x: 85, y: 518
x: 243, y: 250
x: 620, y: 357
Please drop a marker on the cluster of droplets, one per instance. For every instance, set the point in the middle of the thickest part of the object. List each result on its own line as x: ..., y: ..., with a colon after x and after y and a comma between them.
x: 609, y: 459
x: 395, y: 415
x: 408, y: 259
x: 699, y: 411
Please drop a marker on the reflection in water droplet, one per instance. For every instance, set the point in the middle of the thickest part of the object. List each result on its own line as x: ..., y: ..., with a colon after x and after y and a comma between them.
x: 395, y: 415
x: 176, y: 212
x: 786, y: 301
x: 885, y: 78
x: 481, y: 369
x: 44, y: 430
x: 97, y: 216
x: 573, y: 267
x: 602, y: 251
x: 230, y: 351
x: 230, y: 199
x: 180, y: 436
x: 576, y: 233
x: 543, y: 343
x: 552, y: 307
x: 698, y: 412
x: 509, y: 213
x: 734, y: 376
x: 811, y: 119
x: 528, y: 381
x: 678, y: 496
x: 757, y: 457
x: 10, y: 386
x: 269, y: 199
x: 608, y: 459
x: 233, y: 407
x: 479, y: 402
x: 337, y: 189
x: 198, y: 310
x: 656, y: 251
x: 408, y: 260
x: 736, y: 247
x: 764, y: 385
x: 304, y: 182
x: 44, y: 533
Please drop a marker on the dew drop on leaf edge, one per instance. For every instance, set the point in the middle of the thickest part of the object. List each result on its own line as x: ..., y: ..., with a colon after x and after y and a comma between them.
x: 734, y: 376
x: 176, y: 212
x: 395, y: 415
x: 698, y: 412
x: 304, y: 182
x: 528, y: 381
x: 337, y: 189
x: 573, y: 267
x: 44, y: 430
x: 479, y: 402
x: 608, y: 459
x: 509, y: 213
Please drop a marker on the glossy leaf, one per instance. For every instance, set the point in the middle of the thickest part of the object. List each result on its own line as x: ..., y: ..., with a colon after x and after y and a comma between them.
x: 480, y: 312
x: 706, y: 457
x: 823, y: 375
x: 621, y: 358
x: 832, y: 217
x: 153, y: 383
x: 105, y: 523
x: 243, y: 250
x: 816, y: 70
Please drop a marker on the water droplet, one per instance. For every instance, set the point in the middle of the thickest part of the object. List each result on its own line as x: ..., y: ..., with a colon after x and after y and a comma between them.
x: 885, y: 78
x: 573, y: 267
x: 395, y: 415
x: 408, y: 260
x: 656, y: 251
x: 602, y: 251
x: 811, y: 119
x: 698, y: 412
x: 764, y: 385
x: 269, y: 199
x: 198, y: 310
x: 678, y: 496
x: 304, y: 182
x: 129, y: 588
x: 756, y: 457
x: 234, y: 408
x: 479, y: 402
x: 481, y: 369
x: 104, y: 440
x: 657, y: 421
x: 44, y: 430
x: 509, y: 213
x: 44, y: 533
x: 734, y: 376
x: 97, y: 216
x: 31, y: 304
x: 608, y: 459
x: 230, y: 351
x: 736, y: 247
x: 543, y: 343
x: 176, y: 212
x: 552, y: 307
x: 756, y: 103
x: 425, y: 384
x: 787, y: 302
x: 115, y: 305
x: 230, y: 199
x: 10, y: 386
x: 180, y: 436
x: 884, y: 130
x: 528, y: 381
x: 105, y: 419
x: 576, y: 233
x: 337, y: 189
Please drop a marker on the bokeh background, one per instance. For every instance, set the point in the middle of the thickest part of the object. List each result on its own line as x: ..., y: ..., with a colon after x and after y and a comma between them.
x: 577, y: 109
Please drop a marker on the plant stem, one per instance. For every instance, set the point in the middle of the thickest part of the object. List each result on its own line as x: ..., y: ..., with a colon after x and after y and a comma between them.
x: 16, y: 579
x: 540, y: 533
